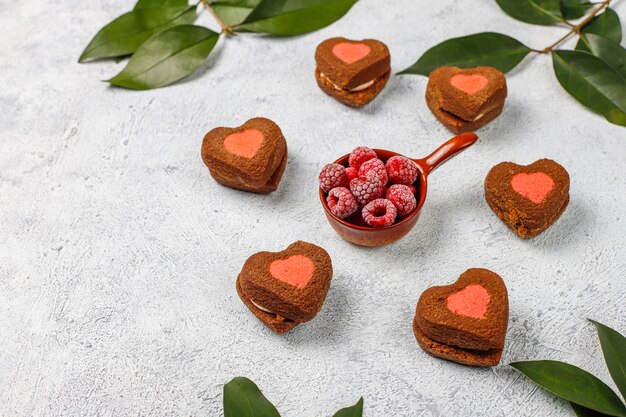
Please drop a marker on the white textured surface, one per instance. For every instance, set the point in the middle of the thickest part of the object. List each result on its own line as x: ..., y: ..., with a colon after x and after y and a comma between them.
x: 118, y: 253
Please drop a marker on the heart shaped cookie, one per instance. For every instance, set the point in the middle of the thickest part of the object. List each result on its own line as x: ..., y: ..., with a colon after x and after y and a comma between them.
x: 466, y: 321
x: 353, y: 72
x: 528, y: 199
x: 464, y: 100
x: 284, y: 289
x: 251, y: 157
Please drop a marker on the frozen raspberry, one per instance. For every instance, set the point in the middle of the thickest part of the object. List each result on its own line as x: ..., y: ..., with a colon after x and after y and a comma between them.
x: 379, y: 213
x: 413, y: 189
x: 377, y: 166
x: 403, y: 198
x: 341, y: 202
x: 333, y: 175
x: 360, y: 155
x: 352, y: 173
x: 367, y: 188
x: 401, y: 170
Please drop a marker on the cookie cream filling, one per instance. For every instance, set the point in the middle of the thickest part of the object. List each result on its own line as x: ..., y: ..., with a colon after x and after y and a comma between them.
x: 475, y: 119
x: 480, y: 116
x: 277, y: 317
x: 356, y: 89
x: 261, y: 307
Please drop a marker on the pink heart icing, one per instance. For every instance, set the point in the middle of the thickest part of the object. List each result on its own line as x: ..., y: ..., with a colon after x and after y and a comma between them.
x: 469, y: 83
x: 245, y: 143
x: 471, y: 301
x: 350, y: 52
x: 297, y: 270
x: 535, y: 186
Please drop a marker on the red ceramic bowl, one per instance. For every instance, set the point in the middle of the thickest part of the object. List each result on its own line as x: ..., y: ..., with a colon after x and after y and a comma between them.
x: 373, y: 236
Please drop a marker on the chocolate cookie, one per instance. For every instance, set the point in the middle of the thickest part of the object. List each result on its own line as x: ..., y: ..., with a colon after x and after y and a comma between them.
x: 466, y: 321
x: 455, y: 354
x: 353, y: 72
x: 464, y: 100
x: 284, y: 289
x: 528, y: 199
x: 251, y: 157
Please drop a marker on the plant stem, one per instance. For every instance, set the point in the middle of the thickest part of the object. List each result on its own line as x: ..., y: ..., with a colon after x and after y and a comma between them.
x: 226, y: 29
x: 575, y: 28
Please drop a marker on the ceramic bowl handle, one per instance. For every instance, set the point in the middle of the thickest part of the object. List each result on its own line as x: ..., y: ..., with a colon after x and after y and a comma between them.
x: 446, y: 151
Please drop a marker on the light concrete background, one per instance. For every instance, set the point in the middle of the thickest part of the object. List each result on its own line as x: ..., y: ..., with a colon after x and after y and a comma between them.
x: 118, y: 253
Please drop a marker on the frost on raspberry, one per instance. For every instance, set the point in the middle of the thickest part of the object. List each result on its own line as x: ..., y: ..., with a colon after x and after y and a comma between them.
x: 333, y: 175
x: 379, y: 213
x: 401, y: 170
x: 377, y: 166
x: 360, y: 155
x: 367, y: 188
x: 402, y: 198
x: 341, y: 202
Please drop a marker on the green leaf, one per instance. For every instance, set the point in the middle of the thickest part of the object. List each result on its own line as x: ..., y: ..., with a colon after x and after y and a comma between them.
x: 294, y: 17
x: 354, y: 411
x: 574, y: 9
x: 167, y: 57
x: 124, y: 35
x: 610, y: 52
x: 606, y: 24
x: 489, y: 49
x: 233, y: 12
x: 614, y: 349
x: 593, y: 83
x: 146, y: 4
x: 538, y: 12
x: 581, y: 411
x: 242, y: 398
x: 616, y: 117
x: 573, y: 384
